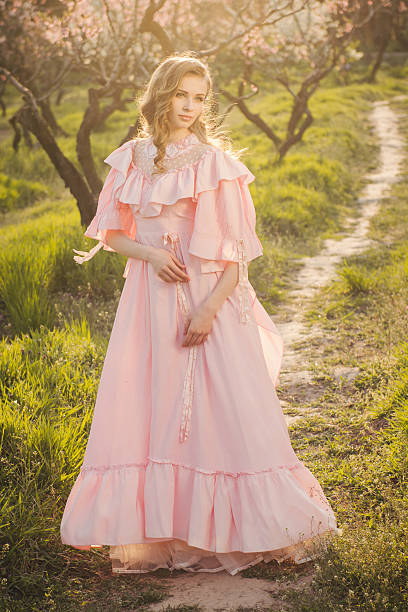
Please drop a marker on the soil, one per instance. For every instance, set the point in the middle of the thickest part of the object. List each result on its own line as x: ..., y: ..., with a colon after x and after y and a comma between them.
x: 220, y: 591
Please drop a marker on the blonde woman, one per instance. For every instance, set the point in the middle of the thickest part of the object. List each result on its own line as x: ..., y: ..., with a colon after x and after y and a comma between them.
x: 189, y: 462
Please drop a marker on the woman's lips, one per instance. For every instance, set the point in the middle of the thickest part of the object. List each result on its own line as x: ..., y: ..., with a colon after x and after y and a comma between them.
x: 185, y: 117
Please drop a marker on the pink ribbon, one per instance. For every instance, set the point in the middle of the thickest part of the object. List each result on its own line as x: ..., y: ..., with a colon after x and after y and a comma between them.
x: 87, y: 255
x: 188, y: 387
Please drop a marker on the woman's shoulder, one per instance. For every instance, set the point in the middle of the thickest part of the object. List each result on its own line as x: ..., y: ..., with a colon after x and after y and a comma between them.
x: 219, y: 165
x: 125, y: 154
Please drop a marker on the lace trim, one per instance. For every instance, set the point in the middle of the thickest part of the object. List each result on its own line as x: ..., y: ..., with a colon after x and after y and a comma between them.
x: 172, y: 148
x: 123, y: 466
x: 243, y: 294
x: 178, y: 554
x: 145, y: 164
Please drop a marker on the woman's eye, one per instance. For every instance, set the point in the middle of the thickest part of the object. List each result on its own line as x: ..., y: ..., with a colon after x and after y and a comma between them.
x: 180, y: 93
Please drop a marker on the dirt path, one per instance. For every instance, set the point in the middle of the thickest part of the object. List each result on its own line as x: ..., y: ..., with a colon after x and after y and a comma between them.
x: 300, y: 337
x: 220, y: 591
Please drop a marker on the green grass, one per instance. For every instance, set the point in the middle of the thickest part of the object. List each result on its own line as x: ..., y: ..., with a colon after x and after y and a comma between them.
x: 56, y: 317
x: 18, y: 193
x: 40, y: 279
x: 358, y: 445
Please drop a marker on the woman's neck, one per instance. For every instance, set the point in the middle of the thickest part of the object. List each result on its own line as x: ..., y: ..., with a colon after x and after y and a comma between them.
x: 178, y: 135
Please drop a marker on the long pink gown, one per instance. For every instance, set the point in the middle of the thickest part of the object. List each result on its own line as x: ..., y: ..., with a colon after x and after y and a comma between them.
x: 189, y: 462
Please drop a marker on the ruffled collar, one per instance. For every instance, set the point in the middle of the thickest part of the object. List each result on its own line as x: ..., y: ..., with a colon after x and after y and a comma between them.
x: 173, y: 148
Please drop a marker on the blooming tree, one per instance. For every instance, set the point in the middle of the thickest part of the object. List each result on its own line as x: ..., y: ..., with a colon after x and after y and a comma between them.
x: 114, y: 46
x: 28, y: 49
x: 296, y: 54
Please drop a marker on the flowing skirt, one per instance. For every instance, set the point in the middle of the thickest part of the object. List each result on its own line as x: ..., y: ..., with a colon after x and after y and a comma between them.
x: 189, y: 462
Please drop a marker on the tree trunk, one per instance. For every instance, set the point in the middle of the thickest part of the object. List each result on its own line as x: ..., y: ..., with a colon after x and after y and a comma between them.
x: 17, y: 127
x: 132, y: 131
x: 2, y: 103
x: 83, y: 142
x: 94, y: 117
x: 32, y: 119
x: 300, y: 118
x: 50, y: 118
x: 60, y: 94
x: 293, y: 137
x: 253, y: 117
x: 379, y: 59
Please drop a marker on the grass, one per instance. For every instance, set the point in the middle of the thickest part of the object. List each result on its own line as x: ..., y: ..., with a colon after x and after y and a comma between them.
x: 56, y: 318
x: 14, y: 192
x: 357, y: 444
x: 40, y: 282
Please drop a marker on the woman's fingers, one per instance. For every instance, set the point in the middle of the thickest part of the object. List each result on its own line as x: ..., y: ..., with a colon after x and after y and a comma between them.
x: 189, y: 339
x: 180, y: 274
x: 177, y: 261
x: 164, y: 275
x: 200, y: 339
x: 172, y: 275
x: 179, y: 268
x: 194, y: 338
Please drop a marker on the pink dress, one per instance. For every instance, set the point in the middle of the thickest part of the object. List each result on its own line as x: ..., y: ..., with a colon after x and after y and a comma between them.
x: 189, y: 462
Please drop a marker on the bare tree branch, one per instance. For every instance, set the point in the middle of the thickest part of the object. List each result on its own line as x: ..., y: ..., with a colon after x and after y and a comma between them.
x: 149, y: 25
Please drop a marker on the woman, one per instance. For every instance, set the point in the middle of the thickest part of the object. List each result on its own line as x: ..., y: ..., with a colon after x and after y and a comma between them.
x: 188, y: 463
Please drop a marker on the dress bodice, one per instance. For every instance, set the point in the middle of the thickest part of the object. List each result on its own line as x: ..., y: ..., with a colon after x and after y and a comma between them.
x: 202, y: 196
x: 147, y: 191
x: 178, y: 155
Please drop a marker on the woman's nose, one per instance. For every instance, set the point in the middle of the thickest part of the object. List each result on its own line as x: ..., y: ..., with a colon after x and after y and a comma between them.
x: 188, y: 103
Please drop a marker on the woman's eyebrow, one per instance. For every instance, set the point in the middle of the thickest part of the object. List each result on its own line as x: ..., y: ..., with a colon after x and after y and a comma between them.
x: 184, y: 91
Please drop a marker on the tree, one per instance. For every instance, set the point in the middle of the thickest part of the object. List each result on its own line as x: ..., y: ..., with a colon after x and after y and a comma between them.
x: 85, y: 38
x: 28, y: 50
x: 114, y: 46
x: 295, y: 52
x: 389, y: 22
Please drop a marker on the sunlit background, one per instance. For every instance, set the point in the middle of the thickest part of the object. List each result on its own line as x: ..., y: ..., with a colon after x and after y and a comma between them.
x: 294, y: 84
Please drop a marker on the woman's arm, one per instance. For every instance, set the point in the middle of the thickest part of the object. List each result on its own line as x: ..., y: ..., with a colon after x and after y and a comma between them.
x: 199, y: 324
x: 118, y: 240
x: 165, y: 264
x: 223, y: 288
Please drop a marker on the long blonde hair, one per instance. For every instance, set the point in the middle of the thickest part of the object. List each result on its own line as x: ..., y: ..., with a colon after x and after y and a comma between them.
x: 154, y: 104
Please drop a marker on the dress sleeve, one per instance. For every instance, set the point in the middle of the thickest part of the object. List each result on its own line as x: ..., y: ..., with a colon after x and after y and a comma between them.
x: 225, y: 218
x: 111, y: 213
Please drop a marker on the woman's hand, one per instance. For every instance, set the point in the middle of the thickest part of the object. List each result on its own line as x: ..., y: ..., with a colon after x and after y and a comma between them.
x: 167, y: 266
x: 198, y: 326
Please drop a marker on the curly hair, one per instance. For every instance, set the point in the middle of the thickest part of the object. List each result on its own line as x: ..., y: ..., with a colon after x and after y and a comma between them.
x: 155, y: 101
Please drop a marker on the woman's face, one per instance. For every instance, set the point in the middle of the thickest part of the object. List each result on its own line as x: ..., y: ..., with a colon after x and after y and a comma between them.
x: 188, y: 101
